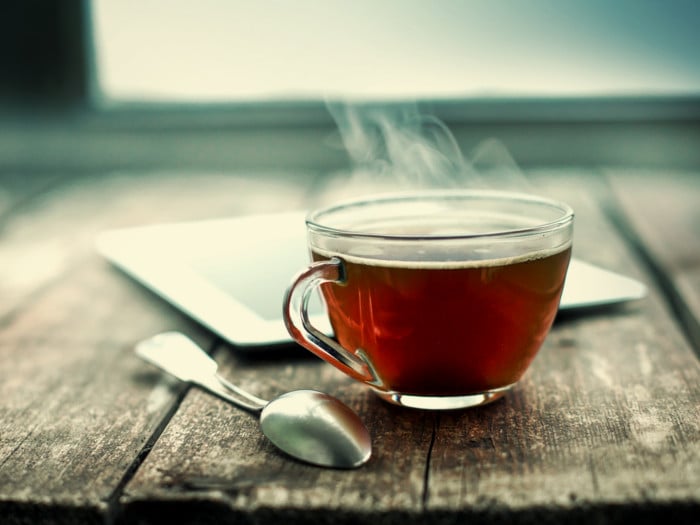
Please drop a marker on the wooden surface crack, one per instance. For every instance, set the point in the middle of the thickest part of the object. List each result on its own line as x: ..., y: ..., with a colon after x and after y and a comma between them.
x: 594, y: 476
x: 17, y: 447
x: 114, y: 509
x: 689, y: 324
x: 426, y: 473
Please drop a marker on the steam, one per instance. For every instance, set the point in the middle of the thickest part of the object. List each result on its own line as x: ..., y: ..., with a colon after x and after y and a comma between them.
x: 397, y: 147
x: 497, y: 167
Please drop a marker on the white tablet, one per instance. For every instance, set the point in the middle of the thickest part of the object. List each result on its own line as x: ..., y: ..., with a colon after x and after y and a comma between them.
x: 231, y: 274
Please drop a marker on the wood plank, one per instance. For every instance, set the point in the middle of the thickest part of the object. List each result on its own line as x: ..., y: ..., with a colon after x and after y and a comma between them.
x: 605, y: 425
x: 78, y: 407
x: 662, y: 211
x: 603, y: 428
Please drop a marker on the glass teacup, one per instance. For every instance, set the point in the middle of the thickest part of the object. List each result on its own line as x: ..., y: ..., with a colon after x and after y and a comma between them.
x: 437, y: 299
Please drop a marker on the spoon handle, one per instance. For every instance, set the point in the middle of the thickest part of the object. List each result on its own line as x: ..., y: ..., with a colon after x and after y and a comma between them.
x: 221, y: 388
x: 255, y: 401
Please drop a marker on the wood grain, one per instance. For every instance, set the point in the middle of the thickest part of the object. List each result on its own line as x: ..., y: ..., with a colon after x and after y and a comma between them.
x: 78, y: 409
x: 77, y: 406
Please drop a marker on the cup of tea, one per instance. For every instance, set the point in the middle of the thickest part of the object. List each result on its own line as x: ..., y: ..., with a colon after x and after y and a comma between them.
x: 437, y: 299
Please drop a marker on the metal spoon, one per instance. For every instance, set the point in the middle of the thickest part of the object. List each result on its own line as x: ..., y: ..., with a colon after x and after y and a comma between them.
x: 308, y: 425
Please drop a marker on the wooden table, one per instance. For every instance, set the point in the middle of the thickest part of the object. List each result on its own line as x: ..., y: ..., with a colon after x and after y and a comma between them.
x: 604, y: 428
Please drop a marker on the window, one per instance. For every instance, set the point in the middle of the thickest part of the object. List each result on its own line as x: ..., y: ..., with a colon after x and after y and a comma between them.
x: 224, y: 51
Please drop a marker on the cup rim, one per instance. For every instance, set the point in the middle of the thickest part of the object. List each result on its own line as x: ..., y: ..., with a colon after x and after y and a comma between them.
x: 566, y: 217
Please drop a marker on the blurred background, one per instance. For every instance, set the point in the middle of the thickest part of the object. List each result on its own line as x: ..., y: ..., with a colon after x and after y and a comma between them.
x: 214, y: 84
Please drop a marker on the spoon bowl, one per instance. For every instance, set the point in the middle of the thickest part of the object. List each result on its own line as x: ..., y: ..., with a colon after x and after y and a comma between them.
x: 310, y: 426
x: 316, y: 427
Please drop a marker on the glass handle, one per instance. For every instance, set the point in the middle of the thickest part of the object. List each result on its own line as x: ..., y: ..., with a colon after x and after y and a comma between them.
x: 296, y: 318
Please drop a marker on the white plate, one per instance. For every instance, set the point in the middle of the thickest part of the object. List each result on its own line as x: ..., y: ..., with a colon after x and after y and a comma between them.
x: 231, y: 274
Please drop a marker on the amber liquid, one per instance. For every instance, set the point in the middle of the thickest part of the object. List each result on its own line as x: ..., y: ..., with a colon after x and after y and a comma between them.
x: 447, y: 330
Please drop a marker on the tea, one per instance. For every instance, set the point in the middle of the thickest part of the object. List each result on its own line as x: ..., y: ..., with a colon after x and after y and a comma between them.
x: 446, y: 328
